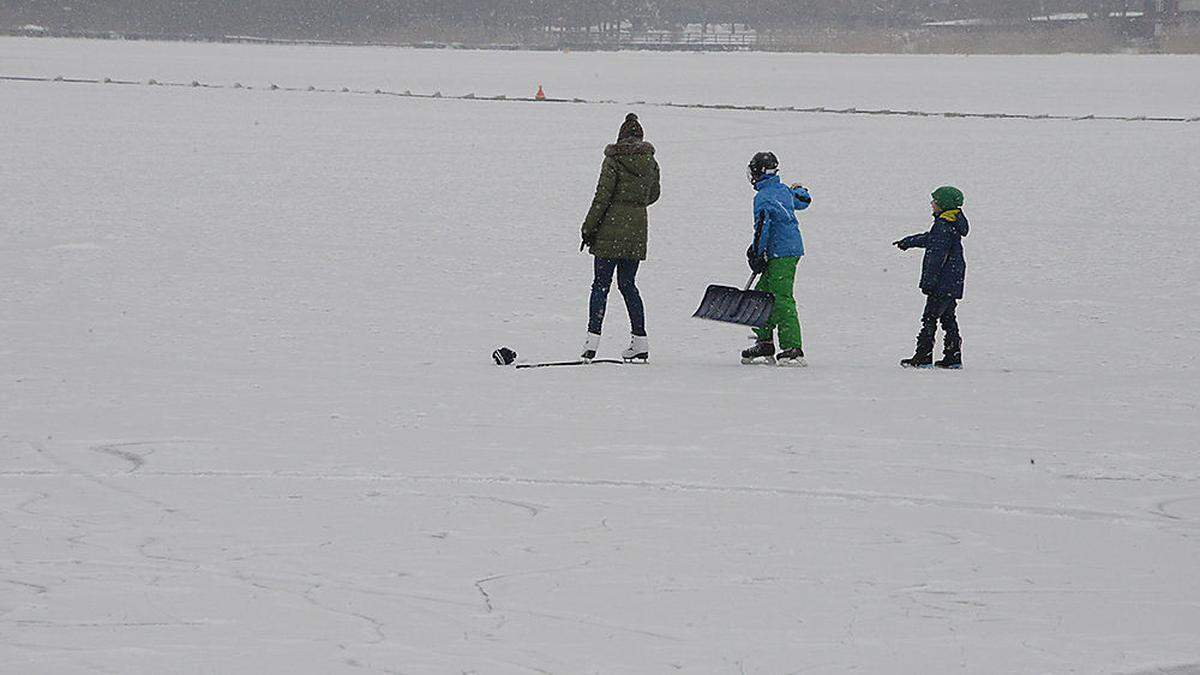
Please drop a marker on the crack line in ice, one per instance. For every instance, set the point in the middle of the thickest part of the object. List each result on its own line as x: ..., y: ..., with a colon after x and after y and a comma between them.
x: 666, y: 104
x: 1181, y: 669
x: 868, y: 497
x: 98, y: 479
x: 116, y: 624
x: 1162, y: 508
x: 487, y: 598
x: 1061, y: 512
x: 136, y: 460
x: 38, y: 589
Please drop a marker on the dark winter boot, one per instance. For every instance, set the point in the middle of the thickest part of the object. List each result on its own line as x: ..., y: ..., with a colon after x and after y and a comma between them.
x: 922, y: 359
x: 761, y: 352
x: 951, y: 356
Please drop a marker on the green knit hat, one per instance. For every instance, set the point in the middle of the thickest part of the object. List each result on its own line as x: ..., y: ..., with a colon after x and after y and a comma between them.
x: 948, y: 197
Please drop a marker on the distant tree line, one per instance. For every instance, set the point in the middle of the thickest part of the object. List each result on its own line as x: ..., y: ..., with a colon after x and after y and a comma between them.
x: 349, y: 19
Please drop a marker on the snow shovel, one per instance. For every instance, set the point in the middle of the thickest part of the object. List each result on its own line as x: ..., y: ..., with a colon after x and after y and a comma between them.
x: 733, y: 305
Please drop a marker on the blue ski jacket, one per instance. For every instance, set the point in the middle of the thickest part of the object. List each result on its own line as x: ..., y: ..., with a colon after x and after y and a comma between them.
x: 944, y: 268
x: 776, y: 230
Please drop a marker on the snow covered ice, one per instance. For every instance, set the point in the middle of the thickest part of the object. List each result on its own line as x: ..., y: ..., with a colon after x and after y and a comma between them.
x: 249, y: 421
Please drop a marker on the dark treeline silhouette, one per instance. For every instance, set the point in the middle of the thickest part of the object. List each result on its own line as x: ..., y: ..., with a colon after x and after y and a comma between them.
x: 513, y: 19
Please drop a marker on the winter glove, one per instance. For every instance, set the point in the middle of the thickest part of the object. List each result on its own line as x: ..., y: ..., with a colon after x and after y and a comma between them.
x: 900, y: 245
x: 757, y: 261
x: 504, y: 356
x: 586, y: 239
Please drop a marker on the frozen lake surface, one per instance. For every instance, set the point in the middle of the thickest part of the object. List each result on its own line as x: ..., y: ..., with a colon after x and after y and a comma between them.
x: 249, y: 422
x: 1060, y: 84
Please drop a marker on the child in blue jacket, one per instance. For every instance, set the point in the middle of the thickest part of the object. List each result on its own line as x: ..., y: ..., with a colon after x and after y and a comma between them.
x: 776, y: 250
x: 943, y: 271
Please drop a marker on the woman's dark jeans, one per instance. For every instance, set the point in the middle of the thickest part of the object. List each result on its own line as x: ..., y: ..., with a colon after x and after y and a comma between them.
x: 626, y: 272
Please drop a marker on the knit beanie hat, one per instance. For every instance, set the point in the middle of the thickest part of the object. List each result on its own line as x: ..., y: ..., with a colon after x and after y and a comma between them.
x: 630, y: 129
x: 948, y: 197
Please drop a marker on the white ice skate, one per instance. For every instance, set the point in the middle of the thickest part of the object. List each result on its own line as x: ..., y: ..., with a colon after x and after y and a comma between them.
x: 590, y: 345
x: 638, y: 349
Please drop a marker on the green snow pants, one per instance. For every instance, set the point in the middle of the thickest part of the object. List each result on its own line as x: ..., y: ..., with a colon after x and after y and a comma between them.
x: 779, y: 280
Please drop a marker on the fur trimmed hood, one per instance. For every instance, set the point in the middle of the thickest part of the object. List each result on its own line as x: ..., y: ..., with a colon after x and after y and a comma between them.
x: 628, y: 148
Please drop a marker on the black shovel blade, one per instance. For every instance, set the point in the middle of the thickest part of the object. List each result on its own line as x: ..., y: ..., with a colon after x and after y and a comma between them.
x: 733, y: 305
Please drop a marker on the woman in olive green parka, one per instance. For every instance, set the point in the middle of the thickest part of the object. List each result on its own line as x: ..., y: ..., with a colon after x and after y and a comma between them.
x: 615, y: 232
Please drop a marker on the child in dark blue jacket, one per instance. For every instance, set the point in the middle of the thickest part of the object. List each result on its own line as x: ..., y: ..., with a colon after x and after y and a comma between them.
x: 943, y: 272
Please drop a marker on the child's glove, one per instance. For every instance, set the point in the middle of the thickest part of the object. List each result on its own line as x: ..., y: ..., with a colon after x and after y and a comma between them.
x: 757, y: 261
x: 900, y: 245
x: 586, y: 240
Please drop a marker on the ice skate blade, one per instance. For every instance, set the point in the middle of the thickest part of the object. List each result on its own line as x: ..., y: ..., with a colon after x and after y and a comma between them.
x: 910, y: 366
x: 792, y: 363
x: 759, y: 361
x: 636, y: 358
x: 958, y: 367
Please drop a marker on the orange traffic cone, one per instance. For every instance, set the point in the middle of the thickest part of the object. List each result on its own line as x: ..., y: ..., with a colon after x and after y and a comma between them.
x: 540, y: 95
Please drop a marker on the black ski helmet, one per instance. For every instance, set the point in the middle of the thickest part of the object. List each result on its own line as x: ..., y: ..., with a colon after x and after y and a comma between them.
x: 762, y: 164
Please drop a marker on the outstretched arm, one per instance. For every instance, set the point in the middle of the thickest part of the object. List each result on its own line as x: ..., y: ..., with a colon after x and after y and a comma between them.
x: 912, y: 241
